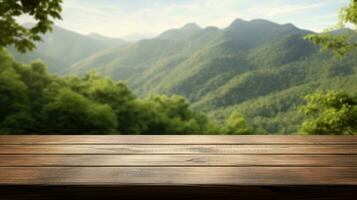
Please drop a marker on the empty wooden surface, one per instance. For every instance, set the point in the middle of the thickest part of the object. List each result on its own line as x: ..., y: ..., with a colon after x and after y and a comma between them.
x: 174, y: 139
x: 36, y: 167
x: 177, y: 149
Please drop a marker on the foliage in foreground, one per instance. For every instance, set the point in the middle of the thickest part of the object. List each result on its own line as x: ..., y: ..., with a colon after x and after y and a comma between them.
x: 44, y: 12
x: 339, y: 43
x: 331, y: 113
x: 33, y: 101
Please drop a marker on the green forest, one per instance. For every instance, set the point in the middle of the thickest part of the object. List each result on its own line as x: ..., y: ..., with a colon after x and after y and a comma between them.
x: 252, y: 77
x: 34, y: 101
x: 37, y: 102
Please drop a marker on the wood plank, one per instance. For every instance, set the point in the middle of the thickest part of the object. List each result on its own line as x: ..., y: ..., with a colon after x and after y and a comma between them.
x: 178, y: 149
x: 177, y: 160
x: 116, y: 176
x: 192, y: 139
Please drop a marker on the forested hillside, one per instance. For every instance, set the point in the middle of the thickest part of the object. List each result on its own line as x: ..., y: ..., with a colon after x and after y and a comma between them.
x: 62, y: 48
x: 259, y: 68
x: 35, y: 102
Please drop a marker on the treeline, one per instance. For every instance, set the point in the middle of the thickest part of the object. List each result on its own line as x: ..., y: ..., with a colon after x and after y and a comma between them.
x: 34, y: 101
x: 326, y: 112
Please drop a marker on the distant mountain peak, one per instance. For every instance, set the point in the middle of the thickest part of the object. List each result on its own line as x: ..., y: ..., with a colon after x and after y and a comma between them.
x: 264, y: 21
x: 181, y: 33
x: 191, y: 26
x: 290, y: 24
x: 238, y: 22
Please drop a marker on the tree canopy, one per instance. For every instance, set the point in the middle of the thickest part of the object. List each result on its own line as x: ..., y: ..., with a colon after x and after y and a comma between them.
x: 43, y: 12
x: 34, y: 101
x: 339, y: 43
x: 236, y: 124
x: 330, y: 114
x: 334, y: 112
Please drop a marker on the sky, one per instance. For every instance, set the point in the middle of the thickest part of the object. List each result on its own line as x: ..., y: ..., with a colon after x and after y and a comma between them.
x: 118, y: 18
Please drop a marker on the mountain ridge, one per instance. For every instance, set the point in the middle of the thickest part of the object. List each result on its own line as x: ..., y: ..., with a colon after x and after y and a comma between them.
x: 259, y: 68
x: 62, y: 48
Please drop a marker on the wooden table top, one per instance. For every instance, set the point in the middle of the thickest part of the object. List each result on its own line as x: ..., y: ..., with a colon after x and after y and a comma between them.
x: 179, y: 160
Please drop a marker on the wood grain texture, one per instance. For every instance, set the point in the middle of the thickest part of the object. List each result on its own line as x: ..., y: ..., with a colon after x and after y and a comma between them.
x: 178, y: 167
x: 178, y: 149
x: 178, y: 160
x: 244, y: 176
x: 191, y: 139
